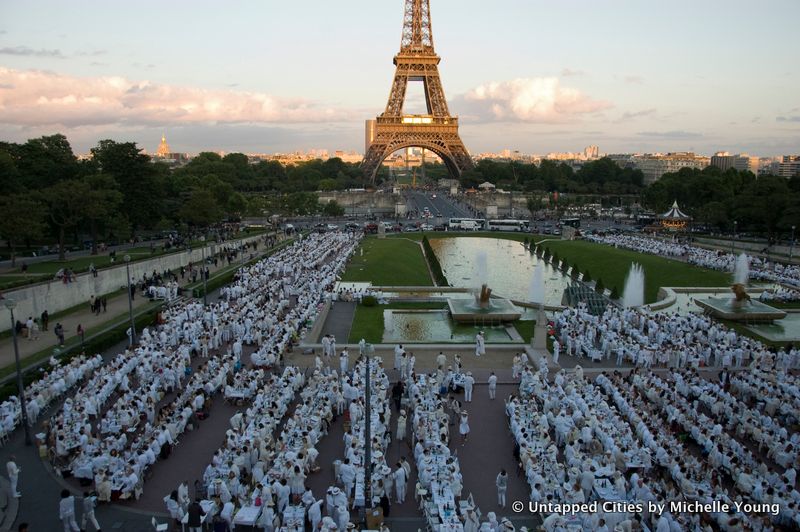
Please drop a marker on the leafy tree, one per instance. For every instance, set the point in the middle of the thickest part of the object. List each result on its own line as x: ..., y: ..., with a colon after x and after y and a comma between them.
x: 332, y: 208
x: 201, y: 209
x: 599, y: 287
x: 67, y: 207
x: 43, y: 160
x: 139, y: 180
x: 102, y: 202
x: 614, y: 293
x: 22, y: 221
x: 328, y: 184
x: 587, y: 277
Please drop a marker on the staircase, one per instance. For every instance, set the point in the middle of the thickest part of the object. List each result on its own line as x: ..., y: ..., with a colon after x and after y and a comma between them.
x: 579, y: 292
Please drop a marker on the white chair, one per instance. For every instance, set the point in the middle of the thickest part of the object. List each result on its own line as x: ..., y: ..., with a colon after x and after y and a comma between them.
x: 163, y: 527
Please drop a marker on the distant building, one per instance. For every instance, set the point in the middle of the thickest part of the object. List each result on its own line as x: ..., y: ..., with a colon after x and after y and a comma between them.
x: 163, y: 148
x: 165, y: 155
x: 653, y: 166
x: 724, y: 160
x: 789, y: 166
x: 591, y: 152
x: 369, y: 133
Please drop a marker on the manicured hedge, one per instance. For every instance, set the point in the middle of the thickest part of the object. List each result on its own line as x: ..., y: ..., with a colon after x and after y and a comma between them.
x: 433, y: 262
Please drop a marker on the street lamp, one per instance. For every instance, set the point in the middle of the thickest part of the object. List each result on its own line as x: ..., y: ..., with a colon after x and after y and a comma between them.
x: 733, y: 240
x: 203, y: 270
x: 791, y: 245
x: 10, y: 304
x: 130, y: 299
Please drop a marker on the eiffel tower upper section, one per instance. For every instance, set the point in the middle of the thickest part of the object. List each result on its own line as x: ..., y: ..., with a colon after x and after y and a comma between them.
x: 436, y: 130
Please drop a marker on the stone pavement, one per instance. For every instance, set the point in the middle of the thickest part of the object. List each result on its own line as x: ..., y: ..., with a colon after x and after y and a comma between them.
x: 340, y: 321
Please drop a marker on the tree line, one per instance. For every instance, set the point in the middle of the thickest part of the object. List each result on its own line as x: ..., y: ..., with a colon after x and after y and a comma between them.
x: 48, y: 194
x: 766, y: 204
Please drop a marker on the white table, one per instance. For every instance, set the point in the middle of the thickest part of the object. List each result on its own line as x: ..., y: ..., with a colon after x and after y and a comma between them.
x: 294, y: 516
x: 247, y: 515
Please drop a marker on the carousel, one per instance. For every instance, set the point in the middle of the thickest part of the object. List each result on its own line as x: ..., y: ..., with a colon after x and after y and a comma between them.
x: 675, y: 219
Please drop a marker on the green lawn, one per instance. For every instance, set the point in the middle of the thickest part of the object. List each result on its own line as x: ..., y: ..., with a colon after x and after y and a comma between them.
x: 12, y: 281
x: 102, y: 260
x: 81, y: 264
x: 368, y: 321
x: 788, y: 304
x: 612, y: 265
x: 389, y: 262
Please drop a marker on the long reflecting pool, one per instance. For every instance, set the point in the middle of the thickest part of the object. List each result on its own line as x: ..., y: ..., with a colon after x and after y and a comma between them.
x: 510, y: 267
x: 434, y: 326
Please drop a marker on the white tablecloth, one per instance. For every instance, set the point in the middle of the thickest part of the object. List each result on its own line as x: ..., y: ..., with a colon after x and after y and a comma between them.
x: 247, y: 515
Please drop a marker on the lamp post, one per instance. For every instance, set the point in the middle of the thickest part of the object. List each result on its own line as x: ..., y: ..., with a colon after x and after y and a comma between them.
x: 10, y: 304
x: 203, y: 270
x: 130, y: 299
x: 733, y: 240
x: 791, y: 245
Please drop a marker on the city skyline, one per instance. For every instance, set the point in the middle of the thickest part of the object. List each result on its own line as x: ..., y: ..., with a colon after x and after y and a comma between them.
x: 548, y: 78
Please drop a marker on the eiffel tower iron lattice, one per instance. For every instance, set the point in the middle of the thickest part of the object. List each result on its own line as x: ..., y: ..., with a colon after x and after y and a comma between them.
x: 437, y: 130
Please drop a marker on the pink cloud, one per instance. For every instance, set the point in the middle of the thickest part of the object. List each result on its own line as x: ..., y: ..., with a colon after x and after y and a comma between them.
x: 528, y: 100
x: 40, y: 98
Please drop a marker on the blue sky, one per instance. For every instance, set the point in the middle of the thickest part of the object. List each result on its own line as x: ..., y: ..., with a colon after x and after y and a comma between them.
x: 533, y: 75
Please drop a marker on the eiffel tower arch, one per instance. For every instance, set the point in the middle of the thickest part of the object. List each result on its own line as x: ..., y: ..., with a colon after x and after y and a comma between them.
x: 437, y: 130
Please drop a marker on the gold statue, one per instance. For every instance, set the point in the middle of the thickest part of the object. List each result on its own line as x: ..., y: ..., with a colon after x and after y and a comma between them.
x: 741, y: 295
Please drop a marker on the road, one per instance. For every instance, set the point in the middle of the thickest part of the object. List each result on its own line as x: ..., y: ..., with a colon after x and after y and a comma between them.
x: 440, y: 205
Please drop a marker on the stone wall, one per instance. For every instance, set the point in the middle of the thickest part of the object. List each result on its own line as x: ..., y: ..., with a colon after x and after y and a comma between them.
x: 363, y: 203
x: 55, y: 296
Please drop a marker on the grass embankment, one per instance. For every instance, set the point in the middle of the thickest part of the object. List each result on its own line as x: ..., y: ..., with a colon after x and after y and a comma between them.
x: 388, y: 262
x: 612, y: 266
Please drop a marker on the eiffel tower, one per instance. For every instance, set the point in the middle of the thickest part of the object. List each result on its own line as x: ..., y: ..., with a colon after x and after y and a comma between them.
x: 437, y: 130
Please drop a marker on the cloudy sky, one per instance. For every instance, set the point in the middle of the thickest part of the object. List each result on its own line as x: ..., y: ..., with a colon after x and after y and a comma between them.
x: 532, y: 75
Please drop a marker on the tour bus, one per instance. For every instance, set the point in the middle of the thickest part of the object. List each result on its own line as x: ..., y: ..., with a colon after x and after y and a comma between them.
x: 471, y: 223
x: 573, y: 221
x: 506, y: 225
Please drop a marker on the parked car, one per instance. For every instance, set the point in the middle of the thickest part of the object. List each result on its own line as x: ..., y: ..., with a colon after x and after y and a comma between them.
x: 426, y: 227
x: 411, y: 229
x: 332, y: 227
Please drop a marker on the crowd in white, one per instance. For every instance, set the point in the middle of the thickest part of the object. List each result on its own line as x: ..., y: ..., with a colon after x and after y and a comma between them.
x: 131, y: 411
x: 661, y: 340
x: 760, y: 268
x: 644, y: 439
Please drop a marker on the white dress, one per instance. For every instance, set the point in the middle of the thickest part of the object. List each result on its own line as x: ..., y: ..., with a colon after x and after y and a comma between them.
x: 463, y: 427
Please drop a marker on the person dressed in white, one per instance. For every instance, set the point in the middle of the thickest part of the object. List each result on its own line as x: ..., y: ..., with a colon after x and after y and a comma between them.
x: 13, y: 475
x: 401, y: 426
x: 480, y: 344
x: 344, y: 359
x: 492, y: 386
x: 502, y: 487
x: 89, y: 504
x: 463, y: 427
x: 471, y: 521
x: 469, y: 383
x: 556, y: 350
x: 66, y: 512
x: 400, y: 480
